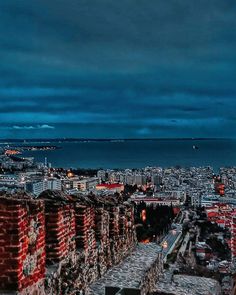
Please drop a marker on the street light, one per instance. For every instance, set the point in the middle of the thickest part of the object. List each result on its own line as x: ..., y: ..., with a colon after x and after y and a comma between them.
x: 164, y: 245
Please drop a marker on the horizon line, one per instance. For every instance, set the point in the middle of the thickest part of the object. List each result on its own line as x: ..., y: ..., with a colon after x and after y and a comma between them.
x: 114, y: 139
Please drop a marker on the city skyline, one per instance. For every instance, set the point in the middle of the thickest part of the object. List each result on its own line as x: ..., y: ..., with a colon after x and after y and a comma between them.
x: 117, y: 70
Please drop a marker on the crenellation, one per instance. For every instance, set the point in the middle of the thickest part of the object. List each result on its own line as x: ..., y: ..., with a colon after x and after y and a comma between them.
x: 22, y: 252
x: 60, y: 227
x: 56, y: 244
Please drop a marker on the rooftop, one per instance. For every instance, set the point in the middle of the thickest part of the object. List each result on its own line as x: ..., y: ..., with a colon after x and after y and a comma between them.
x: 110, y: 186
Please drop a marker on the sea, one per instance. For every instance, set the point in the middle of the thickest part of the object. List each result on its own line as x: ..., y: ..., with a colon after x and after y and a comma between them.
x: 139, y: 153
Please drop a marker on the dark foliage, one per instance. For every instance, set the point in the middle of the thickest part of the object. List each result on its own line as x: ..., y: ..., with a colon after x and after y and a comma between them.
x: 158, y: 220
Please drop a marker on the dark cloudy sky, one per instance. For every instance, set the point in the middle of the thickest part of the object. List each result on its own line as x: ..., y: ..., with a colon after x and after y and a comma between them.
x: 127, y: 68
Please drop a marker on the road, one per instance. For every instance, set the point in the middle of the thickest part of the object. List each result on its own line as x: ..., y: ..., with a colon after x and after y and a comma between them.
x: 169, y: 241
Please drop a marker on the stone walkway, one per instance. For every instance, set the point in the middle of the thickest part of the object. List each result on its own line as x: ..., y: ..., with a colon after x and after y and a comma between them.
x: 186, y: 285
x: 130, y: 272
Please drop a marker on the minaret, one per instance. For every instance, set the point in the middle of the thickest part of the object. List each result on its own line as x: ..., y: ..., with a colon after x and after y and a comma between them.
x: 45, y: 162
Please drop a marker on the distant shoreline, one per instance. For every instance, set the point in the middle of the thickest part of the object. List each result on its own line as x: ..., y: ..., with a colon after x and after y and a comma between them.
x: 133, y: 153
x: 60, y: 140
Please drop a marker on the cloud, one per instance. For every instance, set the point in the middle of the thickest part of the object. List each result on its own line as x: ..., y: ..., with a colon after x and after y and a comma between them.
x: 118, y: 68
x: 144, y: 131
x: 37, y: 127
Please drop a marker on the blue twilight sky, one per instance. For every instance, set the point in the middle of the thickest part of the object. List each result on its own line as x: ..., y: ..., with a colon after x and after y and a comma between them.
x: 127, y: 68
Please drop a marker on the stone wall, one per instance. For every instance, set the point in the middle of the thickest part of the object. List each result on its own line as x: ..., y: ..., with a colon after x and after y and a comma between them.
x: 136, y: 274
x: 58, y: 244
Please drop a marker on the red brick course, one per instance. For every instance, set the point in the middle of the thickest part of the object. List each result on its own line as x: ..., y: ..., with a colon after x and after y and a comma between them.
x: 60, y: 233
x: 22, y: 243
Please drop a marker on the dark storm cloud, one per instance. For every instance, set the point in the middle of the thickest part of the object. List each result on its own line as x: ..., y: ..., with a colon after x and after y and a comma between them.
x: 118, y: 68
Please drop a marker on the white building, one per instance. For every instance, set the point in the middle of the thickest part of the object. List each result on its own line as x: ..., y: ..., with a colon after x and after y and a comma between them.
x: 36, y: 187
x: 86, y: 183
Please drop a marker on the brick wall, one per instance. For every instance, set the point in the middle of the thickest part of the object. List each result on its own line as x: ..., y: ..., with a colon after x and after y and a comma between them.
x: 57, y: 245
x: 60, y: 231
x: 22, y: 243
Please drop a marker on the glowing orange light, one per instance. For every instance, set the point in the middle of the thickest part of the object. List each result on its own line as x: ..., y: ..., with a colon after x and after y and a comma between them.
x: 70, y: 174
x: 146, y: 241
x: 143, y: 215
x: 11, y: 152
x: 165, y: 245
